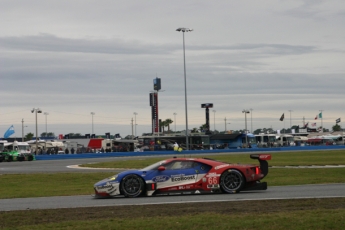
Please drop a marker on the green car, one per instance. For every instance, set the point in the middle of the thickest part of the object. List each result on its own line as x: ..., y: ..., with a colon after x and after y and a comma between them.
x: 9, y: 153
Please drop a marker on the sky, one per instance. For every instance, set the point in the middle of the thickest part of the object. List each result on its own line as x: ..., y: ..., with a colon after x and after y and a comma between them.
x: 71, y: 58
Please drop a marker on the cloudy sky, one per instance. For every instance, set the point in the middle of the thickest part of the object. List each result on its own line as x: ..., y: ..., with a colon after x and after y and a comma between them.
x: 71, y: 58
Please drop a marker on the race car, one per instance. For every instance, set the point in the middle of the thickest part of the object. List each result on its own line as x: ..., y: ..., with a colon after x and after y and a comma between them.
x: 178, y: 176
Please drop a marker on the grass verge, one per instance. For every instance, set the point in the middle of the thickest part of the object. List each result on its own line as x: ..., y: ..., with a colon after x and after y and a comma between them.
x: 334, y: 157
x: 65, y: 184
x: 272, y: 214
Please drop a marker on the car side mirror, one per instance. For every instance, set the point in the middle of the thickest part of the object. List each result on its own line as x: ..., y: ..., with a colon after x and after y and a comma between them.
x: 161, y: 168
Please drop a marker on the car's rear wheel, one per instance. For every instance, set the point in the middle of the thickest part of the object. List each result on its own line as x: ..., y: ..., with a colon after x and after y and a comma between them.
x: 231, y: 181
x: 132, y: 185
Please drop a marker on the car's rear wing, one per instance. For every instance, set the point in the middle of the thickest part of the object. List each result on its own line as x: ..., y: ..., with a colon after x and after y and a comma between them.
x: 263, y: 158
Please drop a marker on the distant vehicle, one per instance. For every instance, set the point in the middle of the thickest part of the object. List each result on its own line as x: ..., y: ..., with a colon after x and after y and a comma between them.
x: 178, y: 176
x: 300, y: 140
x: 285, y: 140
x: 197, y: 141
x: 232, y: 141
x: 16, y: 151
x: 266, y: 140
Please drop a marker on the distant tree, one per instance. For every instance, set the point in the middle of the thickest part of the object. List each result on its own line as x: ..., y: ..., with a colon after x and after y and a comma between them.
x: 47, y: 134
x: 73, y: 134
x: 258, y: 131
x: 162, y: 125
x: 167, y: 123
x: 50, y: 134
x: 336, y: 128
x: 29, y: 136
x: 194, y: 130
x: 203, y: 127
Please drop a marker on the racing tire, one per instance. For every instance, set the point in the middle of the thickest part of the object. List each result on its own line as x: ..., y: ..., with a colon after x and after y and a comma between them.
x: 20, y: 158
x: 30, y: 158
x: 10, y: 158
x: 132, y: 186
x: 232, y: 181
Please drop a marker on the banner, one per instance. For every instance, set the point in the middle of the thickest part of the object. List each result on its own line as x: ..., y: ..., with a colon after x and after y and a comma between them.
x: 320, y: 115
x: 9, y: 132
x: 282, y: 117
x: 306, y: 125
x: 338, y: 120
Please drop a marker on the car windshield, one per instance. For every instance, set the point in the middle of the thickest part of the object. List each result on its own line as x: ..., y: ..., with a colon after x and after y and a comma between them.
x: 153, y: 166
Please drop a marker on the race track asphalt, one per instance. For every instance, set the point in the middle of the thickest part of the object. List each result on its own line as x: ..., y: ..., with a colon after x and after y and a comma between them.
x: 56, y: 166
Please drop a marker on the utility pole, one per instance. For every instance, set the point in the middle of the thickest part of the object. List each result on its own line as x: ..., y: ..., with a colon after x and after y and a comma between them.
x: 321, y: 120
x: 22, y: 129
x: 251, y: 120
x: 290, y: 117
x: 132, y: 127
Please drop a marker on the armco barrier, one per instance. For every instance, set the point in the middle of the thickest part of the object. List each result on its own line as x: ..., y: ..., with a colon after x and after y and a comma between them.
x: 173, y: 153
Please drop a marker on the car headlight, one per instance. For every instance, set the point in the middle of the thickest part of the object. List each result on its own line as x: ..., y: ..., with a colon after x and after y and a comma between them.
x: 112, y: 178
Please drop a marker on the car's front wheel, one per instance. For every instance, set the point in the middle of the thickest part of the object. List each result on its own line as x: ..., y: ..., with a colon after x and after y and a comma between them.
x: 231, y: 181
x: 10, y: 158
x: 132, y: 185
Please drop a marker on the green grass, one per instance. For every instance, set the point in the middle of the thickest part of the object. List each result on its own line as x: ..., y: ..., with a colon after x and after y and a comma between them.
x: 65, y: 184
x: 271, y: 214
x: 306, y: 219
x: 68, y: 184
x: 334, y: 157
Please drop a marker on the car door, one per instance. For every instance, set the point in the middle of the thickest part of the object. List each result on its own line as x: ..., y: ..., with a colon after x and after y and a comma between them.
x: 176, y: 173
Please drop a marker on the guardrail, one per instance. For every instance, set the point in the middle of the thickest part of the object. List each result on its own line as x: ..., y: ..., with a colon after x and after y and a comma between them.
x: 157, y: 153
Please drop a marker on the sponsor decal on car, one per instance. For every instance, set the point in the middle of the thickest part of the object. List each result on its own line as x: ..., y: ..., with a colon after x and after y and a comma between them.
x: 213, y: 186
x: 160, y: 178
x: 265, y: 157
x: 187, y: 193
x: 182, y: 178
x: 212, y: 175
x: 221, y: 166
x: 106, y: 186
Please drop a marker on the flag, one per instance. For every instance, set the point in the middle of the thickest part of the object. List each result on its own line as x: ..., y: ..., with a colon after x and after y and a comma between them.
x: 313, y: 124
x: 9, y: 132
x: 305, y: 126
x: 316, y: 117
x: 338, y: 120
x: 320, y: 115
x: 282, y: 117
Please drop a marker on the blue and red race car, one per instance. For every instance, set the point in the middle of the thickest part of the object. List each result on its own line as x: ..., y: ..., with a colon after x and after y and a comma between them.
x: 177, y: 176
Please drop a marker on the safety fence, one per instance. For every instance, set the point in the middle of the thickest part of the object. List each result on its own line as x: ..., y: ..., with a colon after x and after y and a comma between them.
x: 185, y: 152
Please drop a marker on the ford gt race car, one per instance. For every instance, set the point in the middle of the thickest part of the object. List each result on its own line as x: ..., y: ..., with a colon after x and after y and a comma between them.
x: 177, y: 176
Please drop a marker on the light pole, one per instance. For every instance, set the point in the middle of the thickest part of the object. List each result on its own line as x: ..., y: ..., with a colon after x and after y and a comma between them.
x: 290, y: 118
x: 23, y: 129
x: 36, y: 111
x: 321, y: 120
x: 245, y: 117
x: 92, y: 113
x: 251, y: 120
x: 175, y: 120
x: 214, y: 120
x: 183, y: 30
x: 46, y: 122
x: 225, y: 124
x: 135, y: 123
